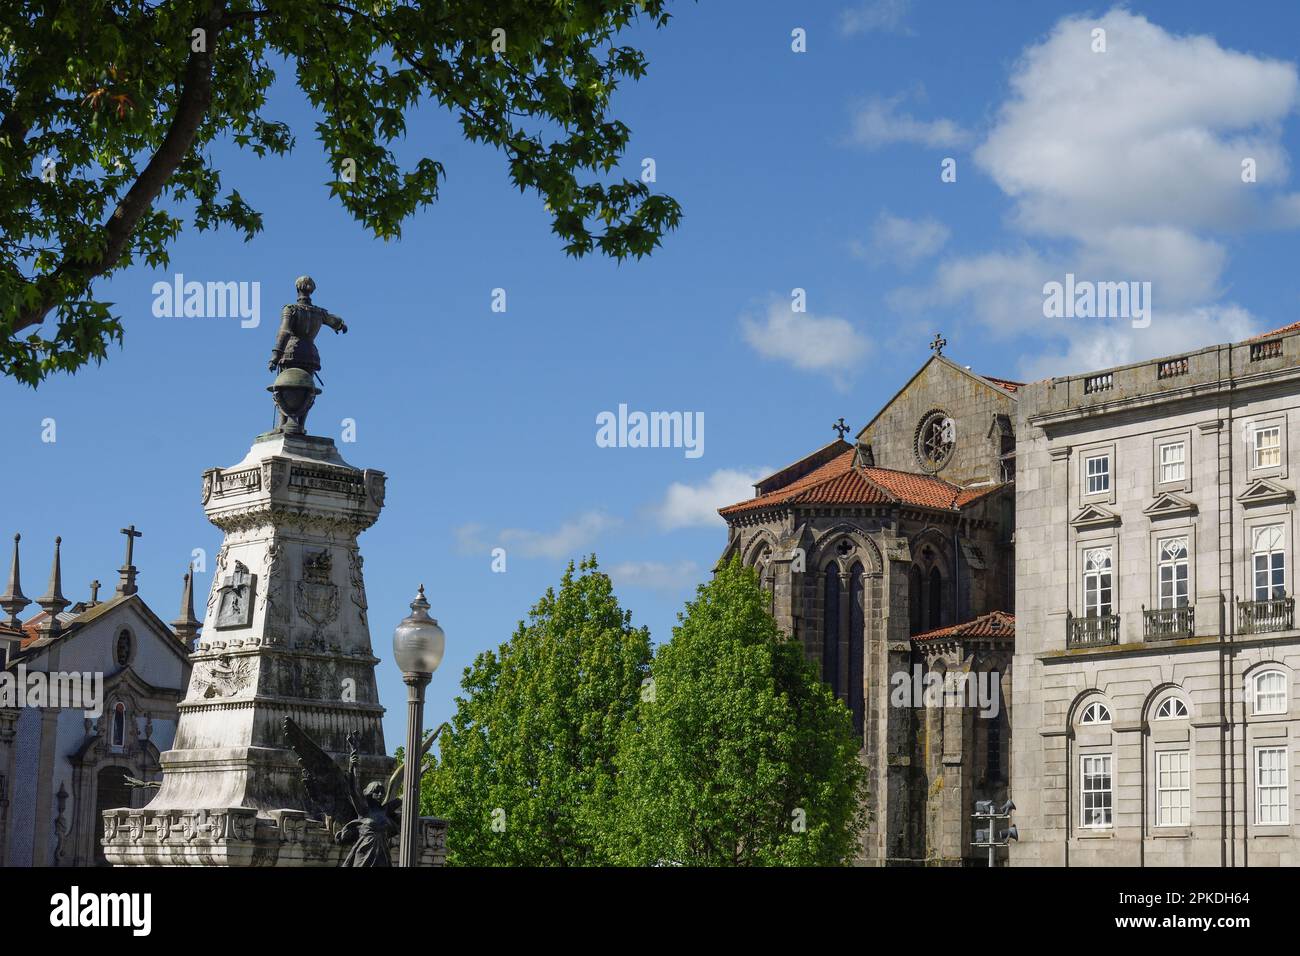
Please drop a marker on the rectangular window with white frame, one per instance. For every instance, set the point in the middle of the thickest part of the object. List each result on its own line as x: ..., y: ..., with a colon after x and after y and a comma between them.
x: 1272, y: 795
x: 1268, y: 557
x: 1173, y: 462
x: 1098, y: 593
x: 1096, y: 796
x: 1173, y: 788
x: 1172, y: 573
x: 1266, y: 447
x: 1096, y: 474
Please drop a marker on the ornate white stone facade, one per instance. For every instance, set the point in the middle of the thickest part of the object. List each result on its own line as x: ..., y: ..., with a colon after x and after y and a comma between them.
x: 284, y: 634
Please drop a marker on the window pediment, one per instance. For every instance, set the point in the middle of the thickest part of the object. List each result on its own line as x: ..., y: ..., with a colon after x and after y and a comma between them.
x: 1265, y: 491
x: 1094, y: 516
x: 1168, y: 505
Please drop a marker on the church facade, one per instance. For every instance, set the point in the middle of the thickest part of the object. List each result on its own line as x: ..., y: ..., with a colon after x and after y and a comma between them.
x: 63, y: 762
x: 890, y: 560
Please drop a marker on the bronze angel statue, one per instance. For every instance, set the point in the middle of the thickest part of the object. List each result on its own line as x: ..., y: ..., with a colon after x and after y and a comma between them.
x: 364, y: 819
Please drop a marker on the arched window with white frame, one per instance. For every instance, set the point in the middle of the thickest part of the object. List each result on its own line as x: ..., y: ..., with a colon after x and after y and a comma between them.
x: 1171, y: 708
x: 1095, y: 713
x: 1269, y: 692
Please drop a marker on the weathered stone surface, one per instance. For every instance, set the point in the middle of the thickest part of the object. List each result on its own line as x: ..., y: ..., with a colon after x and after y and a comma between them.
x: 926, y: 765
x: 285, y: 634
x: 1208, y: 400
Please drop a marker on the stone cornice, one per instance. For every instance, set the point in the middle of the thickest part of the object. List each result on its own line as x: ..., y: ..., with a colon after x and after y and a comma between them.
x: 253, y: 517
x: 1080, y: 411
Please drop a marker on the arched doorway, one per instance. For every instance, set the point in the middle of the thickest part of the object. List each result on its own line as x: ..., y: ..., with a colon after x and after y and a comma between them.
x: 111, y: 792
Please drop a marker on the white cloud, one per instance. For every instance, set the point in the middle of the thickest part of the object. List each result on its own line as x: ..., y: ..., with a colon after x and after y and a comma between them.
x: 569, y: 540
x: 1099, y: 344
x: 877, y: 16
x: 469, y: 539
x: 1152, y: 131
x: 808, y: 342
x: 1003, y: 290
x: 655, y: 575
x: 903, y: 242
x: 879, y: 122
x: 696, y: 506
x: 1123, y: 166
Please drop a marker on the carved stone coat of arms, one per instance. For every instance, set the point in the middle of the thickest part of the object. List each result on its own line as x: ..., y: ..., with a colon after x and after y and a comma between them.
x: 317, y: 597
x: 235, y: 599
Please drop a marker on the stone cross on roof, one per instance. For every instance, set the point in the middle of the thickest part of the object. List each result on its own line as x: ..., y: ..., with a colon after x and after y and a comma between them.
x: 938, y: 344
x: 841, y: 427
x: 126, y: 584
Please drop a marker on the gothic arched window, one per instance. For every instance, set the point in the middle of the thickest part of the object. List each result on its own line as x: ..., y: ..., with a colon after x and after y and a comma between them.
x: 763, y: 568
x: 857, y: 633
x: 914, y: 599
x: 831, y: 627
x: 993, y: 740
x: 936, y: 598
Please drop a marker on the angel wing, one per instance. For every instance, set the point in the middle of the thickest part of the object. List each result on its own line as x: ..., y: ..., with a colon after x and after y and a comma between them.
x: 395, y: 781
x: 329, y: 790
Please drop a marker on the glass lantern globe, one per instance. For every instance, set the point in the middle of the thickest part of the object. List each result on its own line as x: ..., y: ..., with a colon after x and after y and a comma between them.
x: 418, y: 641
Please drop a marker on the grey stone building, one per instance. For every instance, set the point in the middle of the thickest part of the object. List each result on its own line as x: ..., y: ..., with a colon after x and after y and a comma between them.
x: 890, y: 561
x: 1155, y: 676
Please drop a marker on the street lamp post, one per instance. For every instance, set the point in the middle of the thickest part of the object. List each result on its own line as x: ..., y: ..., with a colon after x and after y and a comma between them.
x: 992, y: 839
x: 418, y: 643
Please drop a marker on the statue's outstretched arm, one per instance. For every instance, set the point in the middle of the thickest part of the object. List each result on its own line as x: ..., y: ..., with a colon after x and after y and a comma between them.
x: 335, y: 322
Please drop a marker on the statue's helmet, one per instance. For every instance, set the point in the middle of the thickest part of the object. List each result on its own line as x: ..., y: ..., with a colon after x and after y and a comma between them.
x: 305, y: 285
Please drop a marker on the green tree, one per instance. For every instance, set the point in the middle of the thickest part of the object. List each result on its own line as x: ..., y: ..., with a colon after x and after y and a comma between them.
x: 124, y: 97
x: 741, y: 755
x: 526, y: 772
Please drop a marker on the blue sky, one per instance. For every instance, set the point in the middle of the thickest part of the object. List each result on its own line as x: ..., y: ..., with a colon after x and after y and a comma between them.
x: 815, y: 170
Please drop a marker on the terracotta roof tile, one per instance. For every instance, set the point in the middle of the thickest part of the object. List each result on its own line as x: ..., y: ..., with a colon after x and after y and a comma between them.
x: 1006, y: 383
x: 969, y: 496
x: 1293, y: 327
x: 993, y: 624
x: 838, y: 482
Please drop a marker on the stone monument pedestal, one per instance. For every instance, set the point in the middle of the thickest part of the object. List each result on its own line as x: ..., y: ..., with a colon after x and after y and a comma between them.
x: 284, y: 634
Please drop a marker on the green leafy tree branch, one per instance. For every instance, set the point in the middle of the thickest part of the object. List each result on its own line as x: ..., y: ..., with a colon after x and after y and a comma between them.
x: 107, y: 108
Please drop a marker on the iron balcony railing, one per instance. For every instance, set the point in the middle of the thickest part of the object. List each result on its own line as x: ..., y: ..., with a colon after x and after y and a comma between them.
x: 1260, y: 617
x: 1091, y: 631
x: 1168, y: 623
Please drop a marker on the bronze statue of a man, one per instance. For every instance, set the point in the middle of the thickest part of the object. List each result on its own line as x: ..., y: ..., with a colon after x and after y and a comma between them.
x: 295, y: 345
